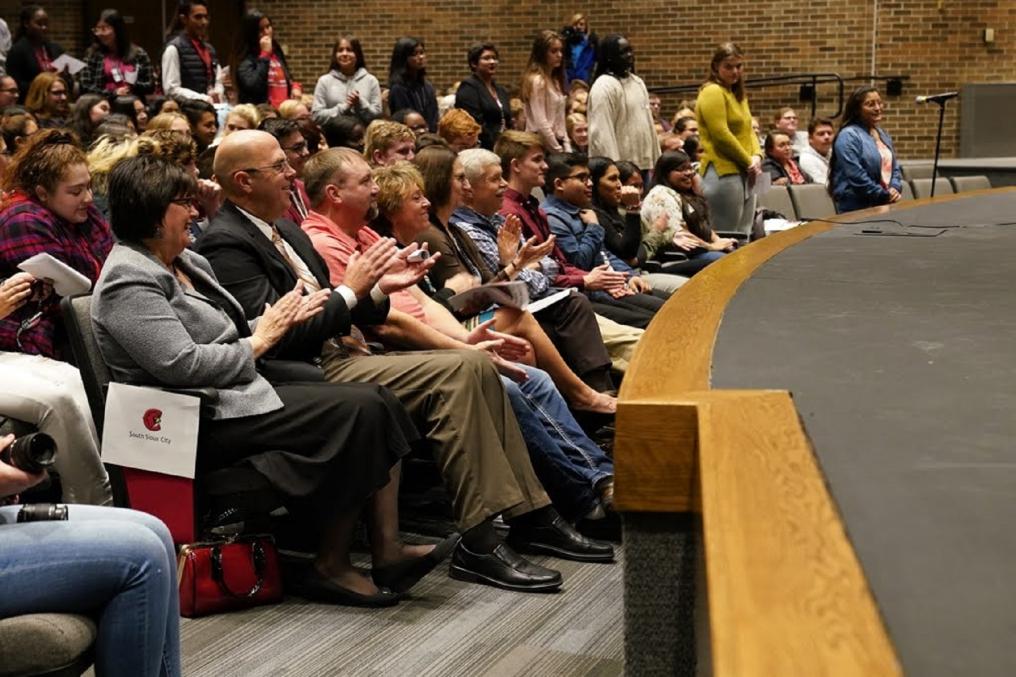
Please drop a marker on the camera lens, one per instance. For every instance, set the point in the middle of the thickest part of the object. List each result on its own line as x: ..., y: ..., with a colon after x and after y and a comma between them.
x: 33, y: 453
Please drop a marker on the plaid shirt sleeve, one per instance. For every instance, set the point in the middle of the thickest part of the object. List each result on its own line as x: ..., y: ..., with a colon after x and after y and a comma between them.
x: 536, y: 281
x: 90, y: 77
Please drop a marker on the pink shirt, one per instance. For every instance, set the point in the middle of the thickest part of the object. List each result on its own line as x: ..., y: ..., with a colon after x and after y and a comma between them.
x: 335, y: 247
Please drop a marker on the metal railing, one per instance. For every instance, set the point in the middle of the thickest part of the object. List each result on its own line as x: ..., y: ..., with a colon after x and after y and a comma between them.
x: 808, y: 84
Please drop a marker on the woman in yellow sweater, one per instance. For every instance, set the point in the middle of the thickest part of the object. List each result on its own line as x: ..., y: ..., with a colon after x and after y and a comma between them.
x: 733, y: 158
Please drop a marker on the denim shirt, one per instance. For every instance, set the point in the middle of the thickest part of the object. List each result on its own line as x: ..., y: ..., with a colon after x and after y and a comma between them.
x: 582, y: 244
x: 856, y: 178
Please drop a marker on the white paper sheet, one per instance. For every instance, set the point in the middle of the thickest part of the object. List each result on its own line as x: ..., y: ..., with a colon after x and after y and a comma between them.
x: 73, y: 65
x: 66, y: 281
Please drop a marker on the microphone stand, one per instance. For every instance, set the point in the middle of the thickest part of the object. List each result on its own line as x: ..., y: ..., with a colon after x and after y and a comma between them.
x: 938, y: 144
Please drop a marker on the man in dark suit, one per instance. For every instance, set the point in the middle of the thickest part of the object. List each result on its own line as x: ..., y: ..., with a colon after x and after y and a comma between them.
x: 455, y: 395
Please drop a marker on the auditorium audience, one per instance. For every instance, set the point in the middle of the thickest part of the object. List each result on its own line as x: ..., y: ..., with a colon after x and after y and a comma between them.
x: 48, y: 209
x: 459, y: 130
x: 407, y: 81
x: 781, y: 163
x: 578, y: 97
x: 344, y: 131
x: 676, y: 218
x: 581, y: 238
x: 48, y: 101
x: 242, y: 116
x: 388, y: 141
x: 258, y: 64
x: 620, y: 122
x: 204, y: 122
x: 544, y: 92
x: 469, y: 422
x: 461, y: 267
x: 113, y: 64
x: 655, y: 108
x: 89, y: 111
x: 32, y: 52
x: 483, y: 98
x: 172, y: 121
x: 8, y: 92
x: 17, y: 128
x: 154, y: 326
x: 499, y: 241
x: 116, y: 566
x: 565, y: 459
x: 580, y: 49
x: 347, y: 88
x: 863, y: 170
x: 815, y: 156
x: 622, y: 235
x: 733, y: 157
x: 631, y: 176
x: 686, y: 126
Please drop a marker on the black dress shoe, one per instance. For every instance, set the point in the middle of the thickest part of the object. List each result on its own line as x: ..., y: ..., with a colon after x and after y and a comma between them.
x: 560, y: 540
x: 606, y: 529
x: 503, y: 568
x: 401, y: 576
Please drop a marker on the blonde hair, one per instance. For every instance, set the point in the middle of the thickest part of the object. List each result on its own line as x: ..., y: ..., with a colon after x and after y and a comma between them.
x: 394, y: 183
x: 572, y: 120
x: 37, y: 99
x: 382, y: 134
x: 287, y: 109
x: 104, y: 154
x: 247, y: 112
x: 165, y: 121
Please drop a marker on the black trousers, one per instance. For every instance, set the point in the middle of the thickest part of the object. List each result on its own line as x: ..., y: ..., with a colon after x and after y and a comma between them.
x: 332, y: 444
x: 571, y: 325
x: 636, y: 310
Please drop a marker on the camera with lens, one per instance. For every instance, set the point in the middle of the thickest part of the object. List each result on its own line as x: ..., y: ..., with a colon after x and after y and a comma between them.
x: 571, y: 35
x: 32, y: 453
x: 42, y: 512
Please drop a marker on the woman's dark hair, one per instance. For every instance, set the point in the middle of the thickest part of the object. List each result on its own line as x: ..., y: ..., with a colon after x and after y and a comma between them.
x: 770, y: 143
x: 124, y: 105
x: 608, y: 58
x: 435, y: 164
x: 398, y: 69
x: 598, y: 166
x: 280, y: 128
x: 42, y: 160
x: 81, y: 117
x: 155, y: 105
x: 340, y: 132
x: 627, y: 169
x: 117, y: 125
x: 124, y: 49
x: 851, y: 116
x: 248, y: 39
x: 13, y: 127
x: 141, y: 189
x: 667, y: 163
x: 725, y: 51
x: 27, y: 12
x: 193, y: 109
x: 691, y: 146
x: 357, y: 50
x: 401, y: 115
x: 477, y: 50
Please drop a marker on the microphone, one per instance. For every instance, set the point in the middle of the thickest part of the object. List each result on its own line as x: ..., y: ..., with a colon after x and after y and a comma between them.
x: 937, y: 98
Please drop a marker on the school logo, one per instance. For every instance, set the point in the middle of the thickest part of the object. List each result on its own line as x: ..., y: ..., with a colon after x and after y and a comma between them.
x: 152, y: 419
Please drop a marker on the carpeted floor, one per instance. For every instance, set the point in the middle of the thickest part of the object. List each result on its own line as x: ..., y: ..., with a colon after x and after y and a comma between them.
x: 447, y: 628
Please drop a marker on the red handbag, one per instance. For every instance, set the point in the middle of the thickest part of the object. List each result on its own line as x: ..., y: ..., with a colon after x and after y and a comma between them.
x: 219, y: 576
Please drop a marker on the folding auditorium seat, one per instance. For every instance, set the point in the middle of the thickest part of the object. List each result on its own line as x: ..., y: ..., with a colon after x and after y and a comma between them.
x: 964, y: 183
x: 777, y: 199
x: 812, y: 201
x: 922, y: 187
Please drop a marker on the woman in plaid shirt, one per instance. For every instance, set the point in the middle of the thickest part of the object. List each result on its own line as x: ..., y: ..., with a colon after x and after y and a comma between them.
x: 47, y: 208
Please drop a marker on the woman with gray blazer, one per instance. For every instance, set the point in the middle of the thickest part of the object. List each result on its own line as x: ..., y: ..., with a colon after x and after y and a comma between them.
x: 162, y: 319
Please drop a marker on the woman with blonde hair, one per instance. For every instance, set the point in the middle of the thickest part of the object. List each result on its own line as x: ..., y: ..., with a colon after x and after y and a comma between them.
x: 543, y: 92
x: 244, y: 116
x: 47, y: 100
x: 172, y: 121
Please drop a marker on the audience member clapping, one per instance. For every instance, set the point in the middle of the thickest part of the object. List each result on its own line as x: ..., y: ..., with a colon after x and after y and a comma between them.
x: 347, y: 88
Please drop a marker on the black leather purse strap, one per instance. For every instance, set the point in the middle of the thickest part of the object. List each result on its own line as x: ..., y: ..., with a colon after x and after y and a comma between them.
x: 257, y: 556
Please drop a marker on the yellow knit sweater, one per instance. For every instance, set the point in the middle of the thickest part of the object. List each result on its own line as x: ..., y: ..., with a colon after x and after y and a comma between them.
x: 725, y: 130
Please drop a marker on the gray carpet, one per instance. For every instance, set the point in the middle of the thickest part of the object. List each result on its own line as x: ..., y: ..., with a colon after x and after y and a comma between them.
x: 447, y: 628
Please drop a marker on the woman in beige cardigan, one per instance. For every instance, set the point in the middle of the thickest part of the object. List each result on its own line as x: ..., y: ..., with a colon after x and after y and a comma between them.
x: 543, y: 92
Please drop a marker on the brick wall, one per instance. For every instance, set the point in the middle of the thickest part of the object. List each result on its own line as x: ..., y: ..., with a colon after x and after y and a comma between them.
x: 936, y: 42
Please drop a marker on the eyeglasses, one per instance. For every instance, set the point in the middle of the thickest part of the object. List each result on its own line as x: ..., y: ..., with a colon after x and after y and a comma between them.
x: 278, y: 168
x: 9, y: 90
x: 296, y: 147
x: 581, y: 176
x: 187, y: 202
x: 59, y: 93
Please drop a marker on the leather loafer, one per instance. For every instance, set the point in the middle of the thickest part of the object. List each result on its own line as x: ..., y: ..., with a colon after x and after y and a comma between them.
x: 503, y: 568
x: 559, y: 539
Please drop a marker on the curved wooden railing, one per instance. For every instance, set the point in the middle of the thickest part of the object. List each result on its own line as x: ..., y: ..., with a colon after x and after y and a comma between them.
x: 786, y: 593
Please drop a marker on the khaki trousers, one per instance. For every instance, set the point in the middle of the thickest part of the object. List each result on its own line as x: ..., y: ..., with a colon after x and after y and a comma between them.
x: 458, y: 403
x: 620, y: 340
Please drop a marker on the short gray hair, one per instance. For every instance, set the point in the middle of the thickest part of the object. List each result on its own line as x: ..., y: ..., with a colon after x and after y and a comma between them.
x: 476, y: 160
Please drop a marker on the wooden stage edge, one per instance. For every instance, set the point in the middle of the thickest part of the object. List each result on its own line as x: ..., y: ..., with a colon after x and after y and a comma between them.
x: 785, y: 590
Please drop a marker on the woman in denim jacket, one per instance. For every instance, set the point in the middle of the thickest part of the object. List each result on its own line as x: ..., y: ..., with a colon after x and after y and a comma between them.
x: 864, y: 170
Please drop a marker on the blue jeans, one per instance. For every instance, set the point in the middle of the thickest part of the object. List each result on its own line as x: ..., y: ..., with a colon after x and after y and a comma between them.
x: 566, y: 461
x: 118, y: 566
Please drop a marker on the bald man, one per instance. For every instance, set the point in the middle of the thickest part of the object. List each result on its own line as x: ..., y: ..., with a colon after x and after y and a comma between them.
x: 455, y: 396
